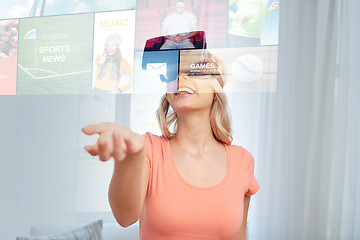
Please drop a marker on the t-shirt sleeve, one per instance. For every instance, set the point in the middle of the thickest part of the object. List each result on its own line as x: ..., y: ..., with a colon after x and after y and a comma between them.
x: 253, y: 185
x: 193, y: 19
x: 148, y: 149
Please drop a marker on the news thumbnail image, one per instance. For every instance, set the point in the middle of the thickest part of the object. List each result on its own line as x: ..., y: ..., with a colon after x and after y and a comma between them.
x: 55, y: 55
x: 253, y: 23
x: 113, y: 63
x: 8, y: 56
x: 158, y: 18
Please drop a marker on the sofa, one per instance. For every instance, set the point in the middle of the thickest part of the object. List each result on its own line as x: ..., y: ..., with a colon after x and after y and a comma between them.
x: 93, y: 231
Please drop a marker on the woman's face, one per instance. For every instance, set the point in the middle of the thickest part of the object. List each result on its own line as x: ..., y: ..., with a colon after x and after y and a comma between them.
x: 111, y: 47
x: 193, y: 92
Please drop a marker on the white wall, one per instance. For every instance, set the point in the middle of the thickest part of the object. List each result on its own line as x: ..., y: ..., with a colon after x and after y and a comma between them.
x: 40, y: 145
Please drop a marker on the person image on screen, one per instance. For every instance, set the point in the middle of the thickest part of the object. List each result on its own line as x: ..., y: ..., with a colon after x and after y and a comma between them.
x: 112, y: 68
x: 179, y: 27
x: 248, y: 21
x: 5, y: 43
x: 191, y: 182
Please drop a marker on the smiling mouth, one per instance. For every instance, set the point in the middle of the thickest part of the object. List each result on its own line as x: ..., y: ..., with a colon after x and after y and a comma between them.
x: 183, y: 90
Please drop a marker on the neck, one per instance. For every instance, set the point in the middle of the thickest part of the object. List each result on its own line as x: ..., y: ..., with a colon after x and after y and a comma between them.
x: 194, y: 132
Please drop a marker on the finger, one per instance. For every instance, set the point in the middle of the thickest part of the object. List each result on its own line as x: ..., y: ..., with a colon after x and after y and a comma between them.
x: 119, y: 147
x: 96, y: 128
x: 92, y: 149
x: 105, y: 147
x: 89, y: 130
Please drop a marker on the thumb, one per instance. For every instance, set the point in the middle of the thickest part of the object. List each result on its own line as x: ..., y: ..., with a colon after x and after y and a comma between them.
x: 134, y: 143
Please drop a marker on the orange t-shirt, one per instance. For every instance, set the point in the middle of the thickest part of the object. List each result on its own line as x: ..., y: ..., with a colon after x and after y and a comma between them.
x: 176, y: 210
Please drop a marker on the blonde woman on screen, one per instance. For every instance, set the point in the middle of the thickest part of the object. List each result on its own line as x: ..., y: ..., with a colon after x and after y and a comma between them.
x: 189, y: 183
x: 111, y: 68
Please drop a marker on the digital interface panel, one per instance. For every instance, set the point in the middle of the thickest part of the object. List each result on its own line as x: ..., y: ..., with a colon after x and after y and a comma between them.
x: 137, y: 46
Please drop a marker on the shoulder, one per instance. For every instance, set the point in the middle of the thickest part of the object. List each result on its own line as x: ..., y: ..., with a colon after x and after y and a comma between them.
x: 168, y: 17
x: 241, y: 154
x: 238, y: 149
x: 154, y: 147
x: 189, y: 14
x: 152, y: 141
x: 152, y: 137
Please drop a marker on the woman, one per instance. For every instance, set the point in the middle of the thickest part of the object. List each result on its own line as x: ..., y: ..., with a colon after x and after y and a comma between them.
x: 189, y: 183
x: 248, y: 21
x: 110, y: 68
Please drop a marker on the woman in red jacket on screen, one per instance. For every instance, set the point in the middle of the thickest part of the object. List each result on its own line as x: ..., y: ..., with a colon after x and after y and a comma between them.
x: 190, y: 183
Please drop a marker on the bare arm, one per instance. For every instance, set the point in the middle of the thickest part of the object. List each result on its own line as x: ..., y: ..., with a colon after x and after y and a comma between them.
x: 163, y: 31
x: 274, y: 5
x: 131, y: 175
x: 241, y: 235
x: 191, y: 34
x: 127, y: 189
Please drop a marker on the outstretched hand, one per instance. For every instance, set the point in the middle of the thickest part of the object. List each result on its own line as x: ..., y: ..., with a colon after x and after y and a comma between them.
x: 114, y: 140
x: 102, y: 60
x: 274, y: 5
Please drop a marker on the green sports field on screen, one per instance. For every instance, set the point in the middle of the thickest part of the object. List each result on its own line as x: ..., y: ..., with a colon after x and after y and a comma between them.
x: 55, y: 55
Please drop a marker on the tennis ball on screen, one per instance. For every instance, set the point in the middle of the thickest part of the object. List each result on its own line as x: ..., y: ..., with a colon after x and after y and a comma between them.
x: 247, y: 68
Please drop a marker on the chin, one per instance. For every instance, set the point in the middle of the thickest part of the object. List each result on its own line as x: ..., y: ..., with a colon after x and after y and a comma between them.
x: 190, y: 102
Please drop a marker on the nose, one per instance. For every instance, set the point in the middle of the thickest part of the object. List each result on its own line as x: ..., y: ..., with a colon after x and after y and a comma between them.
x: 184, y: 81
x: 180, y: 80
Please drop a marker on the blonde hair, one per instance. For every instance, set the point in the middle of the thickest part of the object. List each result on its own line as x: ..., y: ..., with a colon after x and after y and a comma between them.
x: 219, y: 119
